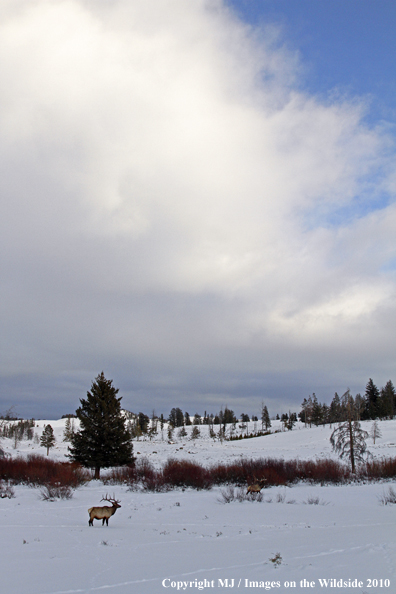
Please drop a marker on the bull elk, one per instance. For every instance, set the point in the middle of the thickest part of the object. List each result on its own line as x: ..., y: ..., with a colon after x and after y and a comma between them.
x: 103, y: 513
x: 256, y: 486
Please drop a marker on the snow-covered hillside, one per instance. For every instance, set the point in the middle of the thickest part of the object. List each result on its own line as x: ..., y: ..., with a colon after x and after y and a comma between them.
x: 302, y: 442
x: 186, y: 540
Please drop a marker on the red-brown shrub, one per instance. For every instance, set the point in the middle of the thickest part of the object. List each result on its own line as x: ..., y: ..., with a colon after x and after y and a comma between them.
x: 120, y: 475
x: 376, y: 469
x: 323, y: 471
x: 185, y: 473
x: 227, y: 474
x: 151, y: 479
x: 37, y: 470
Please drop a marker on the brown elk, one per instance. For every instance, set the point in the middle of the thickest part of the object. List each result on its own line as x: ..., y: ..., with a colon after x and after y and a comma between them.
x: 256, y: 486
x: 103, y: 513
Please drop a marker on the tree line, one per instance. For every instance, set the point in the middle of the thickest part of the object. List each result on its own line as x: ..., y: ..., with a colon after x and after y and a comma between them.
x: 375, y: 404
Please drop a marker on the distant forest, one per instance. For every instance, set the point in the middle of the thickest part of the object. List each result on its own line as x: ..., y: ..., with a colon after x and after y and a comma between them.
x: 375, y: 404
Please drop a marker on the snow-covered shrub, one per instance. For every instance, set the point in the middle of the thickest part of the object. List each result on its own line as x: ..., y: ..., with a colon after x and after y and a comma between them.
x: 389, y: 497
x: 6, y: 490
x: 314, y: 500
x: 51, y: 492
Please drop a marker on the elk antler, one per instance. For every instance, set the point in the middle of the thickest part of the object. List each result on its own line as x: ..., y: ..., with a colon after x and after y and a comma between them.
x: 110, y: 499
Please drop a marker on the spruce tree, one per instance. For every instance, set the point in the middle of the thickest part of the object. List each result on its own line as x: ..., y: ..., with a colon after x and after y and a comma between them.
x: 195, y: 433
x: 103, y: 440
x: 317, y: 412
x: 387, y: 401
x: 69, y: 429
x: 47, y: 439
x: 265, y: 418
x: 335, y: 409
x: 308, y: 411
x: 227, y: 417
x: 176, y: 417
x: 371, y: 396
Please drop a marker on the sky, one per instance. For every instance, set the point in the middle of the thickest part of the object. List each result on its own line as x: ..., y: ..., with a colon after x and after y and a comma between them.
x: 197, y: 198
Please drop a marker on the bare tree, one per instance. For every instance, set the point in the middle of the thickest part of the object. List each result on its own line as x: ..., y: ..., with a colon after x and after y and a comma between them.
x: 375, y: 431
x: 349, y: 439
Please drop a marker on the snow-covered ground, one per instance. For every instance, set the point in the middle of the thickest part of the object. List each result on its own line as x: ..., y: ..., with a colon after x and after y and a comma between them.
x: 302, y: 442
x: 190, y: 540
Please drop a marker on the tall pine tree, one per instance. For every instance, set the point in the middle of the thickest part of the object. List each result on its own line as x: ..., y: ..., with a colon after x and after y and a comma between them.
x: 265, y: 418
x: 387, y: 401
x: 371, y: 397
x: 103, y: 439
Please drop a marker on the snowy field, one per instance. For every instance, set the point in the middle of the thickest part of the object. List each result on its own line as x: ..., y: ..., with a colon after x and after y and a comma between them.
x: 330, y: 538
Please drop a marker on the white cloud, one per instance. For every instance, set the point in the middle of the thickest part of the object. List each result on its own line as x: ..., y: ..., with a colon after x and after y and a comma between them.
x: 170, y: 194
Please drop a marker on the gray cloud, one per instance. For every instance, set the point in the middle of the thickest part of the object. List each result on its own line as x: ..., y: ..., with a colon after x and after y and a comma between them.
x: 177, y: 213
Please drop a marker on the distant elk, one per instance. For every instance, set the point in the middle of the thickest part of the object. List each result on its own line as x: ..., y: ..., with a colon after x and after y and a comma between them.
x: 256, y: 486
x: 105, y: 512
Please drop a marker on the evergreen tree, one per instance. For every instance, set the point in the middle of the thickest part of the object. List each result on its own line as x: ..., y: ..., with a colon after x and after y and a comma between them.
x: 302, y: 415
x: 387, y: 401
x: 290, y: 421
x: 103, y: 440
x: 306, y: 414
x: 69, y: 429
x: 47, y: 439
x: 195, y: 433
x: 265, y: 418
x: 317, y: 414
x: 325, y: 413
x: 371, y: 395
x: 335, y: 409
x: 228, y: 416
x: 176, y: 417
x: 143, y: 422
x: 182, y: 432
x: 390, y: 389
x: 153, y: 429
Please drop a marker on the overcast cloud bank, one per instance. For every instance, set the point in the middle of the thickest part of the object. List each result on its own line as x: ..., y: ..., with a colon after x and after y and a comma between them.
x: 180, y: 214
